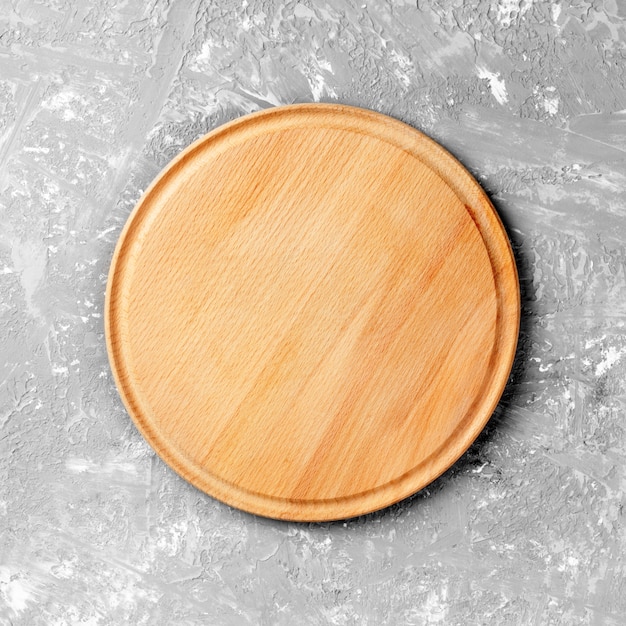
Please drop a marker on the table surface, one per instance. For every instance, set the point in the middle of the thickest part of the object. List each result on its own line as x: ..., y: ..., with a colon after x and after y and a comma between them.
x: 528, y: 527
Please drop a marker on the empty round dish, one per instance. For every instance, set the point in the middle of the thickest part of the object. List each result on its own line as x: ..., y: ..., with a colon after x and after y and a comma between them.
x: 312, y: 312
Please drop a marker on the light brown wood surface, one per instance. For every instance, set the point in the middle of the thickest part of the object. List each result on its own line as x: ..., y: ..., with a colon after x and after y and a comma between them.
x: 312, y: 312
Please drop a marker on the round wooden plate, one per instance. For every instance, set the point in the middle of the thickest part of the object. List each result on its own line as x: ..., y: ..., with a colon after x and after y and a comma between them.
x: 312, y: 312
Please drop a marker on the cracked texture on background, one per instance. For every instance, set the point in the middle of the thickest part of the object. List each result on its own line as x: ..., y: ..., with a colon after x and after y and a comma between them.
x: 96, y: 97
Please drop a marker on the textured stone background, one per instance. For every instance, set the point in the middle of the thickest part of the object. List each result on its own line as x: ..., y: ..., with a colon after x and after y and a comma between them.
x: 96, y: 97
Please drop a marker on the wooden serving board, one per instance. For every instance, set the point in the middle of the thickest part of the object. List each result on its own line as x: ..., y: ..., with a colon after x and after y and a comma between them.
x: 312, y: 312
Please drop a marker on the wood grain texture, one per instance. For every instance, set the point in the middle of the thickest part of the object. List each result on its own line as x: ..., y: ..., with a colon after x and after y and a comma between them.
x: 312, y: 312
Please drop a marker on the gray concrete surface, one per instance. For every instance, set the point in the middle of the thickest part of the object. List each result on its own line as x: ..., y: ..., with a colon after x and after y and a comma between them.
x: 95, y: 98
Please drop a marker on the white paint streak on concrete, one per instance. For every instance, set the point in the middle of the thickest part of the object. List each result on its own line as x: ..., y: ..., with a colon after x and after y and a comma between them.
x: 79, y: 465
x: 505, y: 9
x: 29, y: 260
x: 403, y: 67
x: 496, y: 84
x: 610, y: 357
x: 15, y: 592
x: 551, y: 102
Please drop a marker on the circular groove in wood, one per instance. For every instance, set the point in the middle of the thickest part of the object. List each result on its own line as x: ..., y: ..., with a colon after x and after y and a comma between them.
x: 312, y: 312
